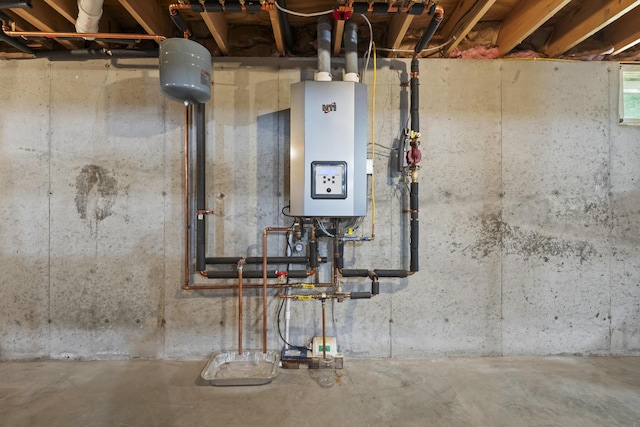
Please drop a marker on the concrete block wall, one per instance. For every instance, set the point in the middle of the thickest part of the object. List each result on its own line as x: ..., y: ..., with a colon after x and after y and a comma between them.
x: 529, y: 212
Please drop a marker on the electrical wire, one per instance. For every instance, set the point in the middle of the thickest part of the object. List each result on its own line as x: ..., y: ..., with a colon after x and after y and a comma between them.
x: 373, y: 146
x: 324, y: 229
x: 371, y: 44
x: 278, y: 322
x: 304, y: 15
x: 426, y: 50
x: 284, y: 214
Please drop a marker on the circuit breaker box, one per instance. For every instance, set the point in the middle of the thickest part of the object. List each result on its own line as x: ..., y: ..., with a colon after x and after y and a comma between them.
x: 328, y: 149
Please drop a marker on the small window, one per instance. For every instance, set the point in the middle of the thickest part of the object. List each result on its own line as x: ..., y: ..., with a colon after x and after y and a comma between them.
x: 630, y: 95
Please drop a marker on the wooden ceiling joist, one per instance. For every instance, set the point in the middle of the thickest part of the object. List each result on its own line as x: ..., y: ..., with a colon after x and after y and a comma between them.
x: 398, y: 27
x: 524, y: 20
x: 67, y: 8
x: 276, y: 25
x: 20, y: 24
x: 45, y: 19
x: 338, y: 33
x: 151, y: 16
x: 464, y: 18
x: 625, y: 32
x: 591, y: 17
x: 217, y: 25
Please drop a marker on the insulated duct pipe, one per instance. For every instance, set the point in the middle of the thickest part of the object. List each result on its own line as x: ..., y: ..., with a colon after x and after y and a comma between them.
x: 324, y: 50
x: 86, y: 54
x: 200, y: 188
x: 89, y: 14
x: 414, y: 232
x: 438, y: 14
x: 350, y: 40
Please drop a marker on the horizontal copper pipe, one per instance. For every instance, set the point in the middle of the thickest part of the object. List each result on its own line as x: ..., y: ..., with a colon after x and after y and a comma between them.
x: 113, y: 36
x: 244, y: 286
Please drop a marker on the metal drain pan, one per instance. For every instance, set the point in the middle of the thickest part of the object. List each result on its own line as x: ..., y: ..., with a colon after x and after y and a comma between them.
x: 253, y: 367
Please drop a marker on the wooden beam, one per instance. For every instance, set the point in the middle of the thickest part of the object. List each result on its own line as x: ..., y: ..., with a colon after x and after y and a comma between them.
x: 217, y: 25
x: 47, y: 20
x: 397, y: 30
x: 338, y: 33
x: 151, y: 16
x: 591, y: 17
x: 625, y: 32
x: 276, y: 25
x: 20, y: 24
x: 464, y: 18
x: 69, y: 10
x: 524, y: 19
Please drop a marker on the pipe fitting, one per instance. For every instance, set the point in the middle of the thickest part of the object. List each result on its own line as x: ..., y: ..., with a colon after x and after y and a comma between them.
x: 89, y: 14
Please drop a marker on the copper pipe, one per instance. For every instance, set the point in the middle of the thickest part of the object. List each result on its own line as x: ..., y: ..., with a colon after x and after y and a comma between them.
x: 176, y: 7
x: 240, y: 266
x: 185, y: 194
x: 244, y: 286
x: 324, y: 331
x: 107, y: 36
x: 439, y: 13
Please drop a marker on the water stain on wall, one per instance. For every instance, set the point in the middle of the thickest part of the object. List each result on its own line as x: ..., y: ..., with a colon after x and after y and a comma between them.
x: 96, y: 193
x: 495, y: 234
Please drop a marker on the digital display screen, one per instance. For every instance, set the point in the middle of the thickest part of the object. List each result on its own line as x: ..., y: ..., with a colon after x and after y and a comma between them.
x: 327, y: 170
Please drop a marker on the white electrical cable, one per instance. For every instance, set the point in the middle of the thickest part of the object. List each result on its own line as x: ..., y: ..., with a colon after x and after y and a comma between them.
x: 368, y: 55
x: 324, y: 229
x: 431, y: 49
x: 304, y: 15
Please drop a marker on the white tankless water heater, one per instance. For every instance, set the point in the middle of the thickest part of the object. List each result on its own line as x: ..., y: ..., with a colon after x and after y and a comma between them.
x: 328, y: 149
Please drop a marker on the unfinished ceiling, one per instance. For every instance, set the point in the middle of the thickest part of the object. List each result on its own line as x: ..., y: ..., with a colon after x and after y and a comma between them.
x: 577, y: 29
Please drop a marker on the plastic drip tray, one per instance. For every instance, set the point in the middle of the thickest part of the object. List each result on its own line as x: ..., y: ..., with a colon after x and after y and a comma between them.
x: 247, y: 368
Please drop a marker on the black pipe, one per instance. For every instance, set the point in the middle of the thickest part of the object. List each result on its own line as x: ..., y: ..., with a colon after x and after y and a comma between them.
x: 414, y: 230
x: 201, y: 198
x: 253, y: 7
x: 375, y: 287
x: 313, y: 254
x: 15, y: 43
x: 232, y: 6
x: 286, y: 27
x: 415, y: 95
x: 374, y: 273
x: 22, y: 4
x: 355, y: 273
x: 360, y: 295
x: 254, y: 274
x: 339, y: 258
x: 258, y: 260
x: 80, y: 54
x: 428, y: 34
x: 391, y: 273
x: 179, y: 22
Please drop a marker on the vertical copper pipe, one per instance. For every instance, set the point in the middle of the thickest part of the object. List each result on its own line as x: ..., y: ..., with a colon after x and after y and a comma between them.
x: 240, y: 266
x: 324, y: 331
x: 264, y: 282
x: 185, y: 193
x: 264, y: 290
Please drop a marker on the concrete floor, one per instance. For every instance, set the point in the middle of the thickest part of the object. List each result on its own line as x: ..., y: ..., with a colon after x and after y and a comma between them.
x: 557, y: 391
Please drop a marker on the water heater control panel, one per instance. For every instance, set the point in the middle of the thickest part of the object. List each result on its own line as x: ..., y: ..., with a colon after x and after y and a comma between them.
x: 328, y: 180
